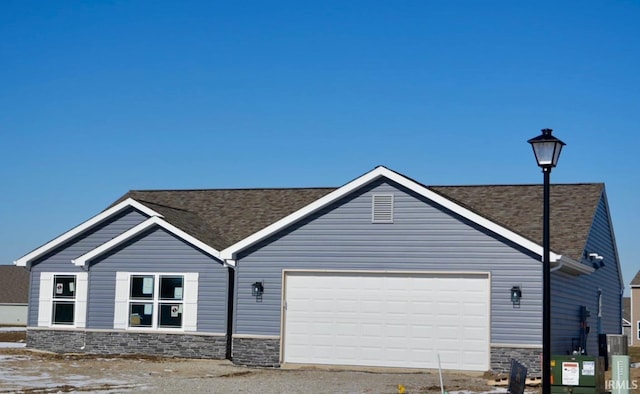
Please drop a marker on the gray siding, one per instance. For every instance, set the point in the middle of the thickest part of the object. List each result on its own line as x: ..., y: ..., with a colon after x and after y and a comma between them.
x: 159, y: 251
x: 569, y: 293
x: 423, y: 237
x: 59, y: 260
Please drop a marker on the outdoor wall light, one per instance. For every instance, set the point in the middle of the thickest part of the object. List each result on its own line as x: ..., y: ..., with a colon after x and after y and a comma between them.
x: 516, y: 295
x: 257, y: 289
x: 596, y: 260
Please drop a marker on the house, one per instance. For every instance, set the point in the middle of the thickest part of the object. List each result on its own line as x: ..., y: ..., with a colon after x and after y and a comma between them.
x: 635, y: 310
x: 626, y: 319
x: 382, y: 271
x: 14, y: 295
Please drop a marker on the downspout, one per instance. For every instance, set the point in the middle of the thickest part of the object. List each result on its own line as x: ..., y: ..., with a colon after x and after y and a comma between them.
x: 231, y: 277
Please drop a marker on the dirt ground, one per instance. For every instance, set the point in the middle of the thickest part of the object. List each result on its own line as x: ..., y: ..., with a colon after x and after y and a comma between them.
x: 30, y: 371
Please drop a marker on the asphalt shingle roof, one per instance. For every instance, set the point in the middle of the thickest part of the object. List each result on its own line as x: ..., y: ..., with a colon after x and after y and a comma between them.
x: 222, y: 217
x: 636, y: 280
x: 14, y: 285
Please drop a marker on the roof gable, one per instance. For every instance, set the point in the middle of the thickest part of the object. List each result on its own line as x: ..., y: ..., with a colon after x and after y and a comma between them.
x: 25, y: 261
x: 441, y: 196
x: 139, y: 229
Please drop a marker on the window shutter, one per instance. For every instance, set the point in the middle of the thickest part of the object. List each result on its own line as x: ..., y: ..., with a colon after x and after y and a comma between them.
x: 190, y: 310
x: 382, y: 210
x: 44, y: 299
x: 81, y: 299
x: 120, y: 308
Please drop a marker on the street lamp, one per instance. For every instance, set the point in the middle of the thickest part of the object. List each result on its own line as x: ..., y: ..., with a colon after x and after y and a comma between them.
x: 547, y: 151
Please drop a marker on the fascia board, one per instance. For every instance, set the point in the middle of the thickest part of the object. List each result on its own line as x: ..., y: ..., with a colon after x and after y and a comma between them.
x: 573, y: 267
x: 231, y: 251
x: 129, y: 202
x: 132, y: 232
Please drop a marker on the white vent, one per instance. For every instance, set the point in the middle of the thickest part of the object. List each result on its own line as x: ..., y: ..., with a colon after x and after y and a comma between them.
x: 382, y: 208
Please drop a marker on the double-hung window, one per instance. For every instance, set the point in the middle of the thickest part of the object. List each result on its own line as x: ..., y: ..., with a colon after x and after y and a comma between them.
x: 63, y: 299
x: 156, y: 301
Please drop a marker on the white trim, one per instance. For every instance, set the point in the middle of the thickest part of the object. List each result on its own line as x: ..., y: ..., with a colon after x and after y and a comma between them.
x: 121, y: 301
x: 44, y: 299
x: 516, y: 345
x: 190, y: 301
x: 378, y: 172
x: 82, y: 287
x: 251, y: 336
x: 132, y: 232
x: 26, y: 260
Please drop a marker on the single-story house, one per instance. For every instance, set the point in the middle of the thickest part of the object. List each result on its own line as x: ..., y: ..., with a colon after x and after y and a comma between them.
x: 635, y: 311
x: 14, y: 295
x: 382, y: 271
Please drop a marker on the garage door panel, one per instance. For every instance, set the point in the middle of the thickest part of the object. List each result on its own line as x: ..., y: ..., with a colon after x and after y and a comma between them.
x: 397, y: 320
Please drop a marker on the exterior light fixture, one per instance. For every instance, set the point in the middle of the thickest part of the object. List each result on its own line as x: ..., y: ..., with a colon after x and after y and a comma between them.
x: 547, y: 150
x: 516, y: 295
x: 257, y: 289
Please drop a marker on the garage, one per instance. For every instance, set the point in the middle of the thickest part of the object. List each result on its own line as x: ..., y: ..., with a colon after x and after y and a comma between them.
x: 387, y: 319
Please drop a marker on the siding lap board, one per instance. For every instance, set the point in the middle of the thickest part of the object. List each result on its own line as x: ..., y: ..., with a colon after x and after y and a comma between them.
x: 59, y: 260
x: 159, y: 251
x: 423, y: 237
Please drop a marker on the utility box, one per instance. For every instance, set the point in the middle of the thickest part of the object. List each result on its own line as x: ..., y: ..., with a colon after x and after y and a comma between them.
x: 577, y: 374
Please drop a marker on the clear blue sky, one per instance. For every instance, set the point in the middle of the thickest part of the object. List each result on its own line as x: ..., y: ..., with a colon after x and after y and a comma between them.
x: 97, y: 98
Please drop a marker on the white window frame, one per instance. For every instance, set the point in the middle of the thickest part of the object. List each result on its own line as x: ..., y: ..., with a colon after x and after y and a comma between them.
x: 46, y: 299
x: 638, y: 330
x: 189, y: 302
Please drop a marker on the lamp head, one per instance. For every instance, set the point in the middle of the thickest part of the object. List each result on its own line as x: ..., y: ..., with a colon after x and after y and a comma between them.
x: 546, y: 148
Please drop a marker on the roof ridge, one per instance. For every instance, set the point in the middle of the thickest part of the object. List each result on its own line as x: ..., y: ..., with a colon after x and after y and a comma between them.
x: 231, y: 189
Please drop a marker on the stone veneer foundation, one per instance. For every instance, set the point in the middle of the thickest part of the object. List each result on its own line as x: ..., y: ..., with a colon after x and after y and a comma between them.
x: 124, y: 342
x: 529, y: 357
x: 263, y: 352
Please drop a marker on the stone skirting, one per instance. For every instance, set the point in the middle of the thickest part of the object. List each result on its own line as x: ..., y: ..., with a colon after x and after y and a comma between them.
x: 122, y: 342
x: 263, y: 352
x: 529, y: 357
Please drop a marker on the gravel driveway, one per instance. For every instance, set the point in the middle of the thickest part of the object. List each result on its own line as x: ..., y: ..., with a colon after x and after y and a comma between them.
x: 27, y: 371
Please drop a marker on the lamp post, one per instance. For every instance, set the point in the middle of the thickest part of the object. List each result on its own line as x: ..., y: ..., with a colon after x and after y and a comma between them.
x: 547, y: 151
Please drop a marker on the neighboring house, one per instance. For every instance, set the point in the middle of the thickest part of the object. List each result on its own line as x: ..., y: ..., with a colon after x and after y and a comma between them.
x: 635, y: 310
x: 626, y: 319
x: 14, y: 295
x: 383, y: 271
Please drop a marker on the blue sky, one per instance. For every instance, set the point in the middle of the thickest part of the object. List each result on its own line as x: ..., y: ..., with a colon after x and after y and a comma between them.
x: 97, y: 98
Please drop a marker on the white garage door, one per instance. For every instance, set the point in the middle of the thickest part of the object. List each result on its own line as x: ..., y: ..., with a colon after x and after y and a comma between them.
x: 384, y: 319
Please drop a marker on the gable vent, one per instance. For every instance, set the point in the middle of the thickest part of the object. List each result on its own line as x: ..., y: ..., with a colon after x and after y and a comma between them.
x: 382, y: 211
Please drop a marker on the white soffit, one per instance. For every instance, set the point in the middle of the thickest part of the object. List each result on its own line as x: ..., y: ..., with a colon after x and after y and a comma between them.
x: 378, y: 172
x: 132, y: 232
x: 129, y: 202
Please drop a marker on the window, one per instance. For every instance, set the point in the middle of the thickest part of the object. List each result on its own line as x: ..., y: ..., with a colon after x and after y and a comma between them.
x: 63, y: 299
x: 639, y: 330
x: 156, y: 301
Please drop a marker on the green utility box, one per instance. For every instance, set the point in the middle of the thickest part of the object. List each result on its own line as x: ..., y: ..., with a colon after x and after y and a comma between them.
x: 577, y: 374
